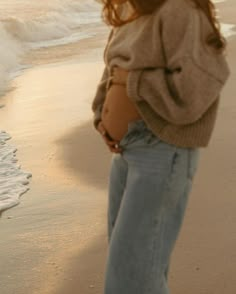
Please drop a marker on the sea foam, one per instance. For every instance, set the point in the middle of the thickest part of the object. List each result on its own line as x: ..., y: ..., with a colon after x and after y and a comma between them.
x: 13, y: 181
x: 63, y: 24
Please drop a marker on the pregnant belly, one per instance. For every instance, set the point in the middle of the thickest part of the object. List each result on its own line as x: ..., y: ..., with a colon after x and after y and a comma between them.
x: 118, y: 111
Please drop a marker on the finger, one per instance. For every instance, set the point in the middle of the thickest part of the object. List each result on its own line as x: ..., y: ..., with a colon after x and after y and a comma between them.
x: 114, y: 144
x: 115, y: 150
x: 110, y: 141
x: 101, y: 129
x: 114, y: 147
x: 103, y: 132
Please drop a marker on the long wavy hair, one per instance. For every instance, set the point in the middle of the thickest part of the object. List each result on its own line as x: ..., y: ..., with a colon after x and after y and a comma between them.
x: 111, y: 15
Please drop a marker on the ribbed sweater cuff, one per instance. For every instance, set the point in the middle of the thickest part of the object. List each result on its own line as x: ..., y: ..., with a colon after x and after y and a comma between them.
x: 133, y: 81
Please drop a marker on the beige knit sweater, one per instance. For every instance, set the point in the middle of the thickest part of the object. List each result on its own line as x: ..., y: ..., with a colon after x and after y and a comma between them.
x: 175, y: 78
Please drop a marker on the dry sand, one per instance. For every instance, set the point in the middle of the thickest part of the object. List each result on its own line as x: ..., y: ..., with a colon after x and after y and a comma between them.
x: 55, y: 240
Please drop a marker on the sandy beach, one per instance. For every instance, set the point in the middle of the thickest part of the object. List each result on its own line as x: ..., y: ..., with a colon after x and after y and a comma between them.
x: 65, y: 208
x: 55, y: 241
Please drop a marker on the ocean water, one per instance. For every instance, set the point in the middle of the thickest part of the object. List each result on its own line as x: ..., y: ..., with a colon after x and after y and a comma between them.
x: 25, y: 27
x: 28, y: 26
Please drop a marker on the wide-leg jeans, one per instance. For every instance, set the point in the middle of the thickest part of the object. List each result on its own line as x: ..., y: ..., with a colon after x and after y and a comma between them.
x: 149, y: 186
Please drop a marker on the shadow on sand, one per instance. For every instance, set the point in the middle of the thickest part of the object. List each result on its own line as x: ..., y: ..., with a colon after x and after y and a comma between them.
x: 85, y: 154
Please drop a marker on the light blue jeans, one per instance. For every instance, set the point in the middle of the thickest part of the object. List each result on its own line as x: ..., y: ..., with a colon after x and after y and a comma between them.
x: 149, y: 187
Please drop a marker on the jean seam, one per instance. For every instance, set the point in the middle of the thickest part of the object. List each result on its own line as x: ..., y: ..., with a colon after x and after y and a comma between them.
x: 161, y: 221
x: 154, y: 242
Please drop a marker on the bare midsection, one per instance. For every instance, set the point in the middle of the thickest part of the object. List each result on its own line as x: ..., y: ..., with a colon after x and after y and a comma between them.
x: 118, y: 111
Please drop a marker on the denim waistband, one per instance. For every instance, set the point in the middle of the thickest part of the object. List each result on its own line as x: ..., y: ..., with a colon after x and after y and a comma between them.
x: 137, y: 125
x: 137, y: 130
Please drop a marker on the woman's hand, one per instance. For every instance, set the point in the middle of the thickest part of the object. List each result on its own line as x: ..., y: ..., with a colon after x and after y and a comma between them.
x: 120, y: 75
x: 112, y: 144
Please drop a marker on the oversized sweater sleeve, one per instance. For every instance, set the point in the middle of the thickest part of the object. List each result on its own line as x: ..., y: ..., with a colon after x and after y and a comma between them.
x: 100, y: 94
x: 99, y: 98
x: 194, y: 75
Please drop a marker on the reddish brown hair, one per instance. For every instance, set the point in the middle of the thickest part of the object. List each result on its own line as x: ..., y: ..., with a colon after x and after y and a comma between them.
x: 112, y: 16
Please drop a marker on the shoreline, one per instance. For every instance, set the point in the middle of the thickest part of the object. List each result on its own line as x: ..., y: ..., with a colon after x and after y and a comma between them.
x: 63, y: 212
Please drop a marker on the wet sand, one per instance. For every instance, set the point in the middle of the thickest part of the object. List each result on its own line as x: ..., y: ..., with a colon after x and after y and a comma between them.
x: 55, y: 241
x: 49, y: 118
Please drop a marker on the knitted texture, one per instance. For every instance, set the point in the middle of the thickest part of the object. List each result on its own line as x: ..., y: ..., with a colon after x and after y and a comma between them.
x: 175, y: 78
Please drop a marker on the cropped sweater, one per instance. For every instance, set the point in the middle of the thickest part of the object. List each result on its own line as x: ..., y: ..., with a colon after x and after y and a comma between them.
x: 175, y: 78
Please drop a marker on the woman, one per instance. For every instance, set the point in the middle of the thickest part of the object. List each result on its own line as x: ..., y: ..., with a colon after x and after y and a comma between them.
x: 155, y: 107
